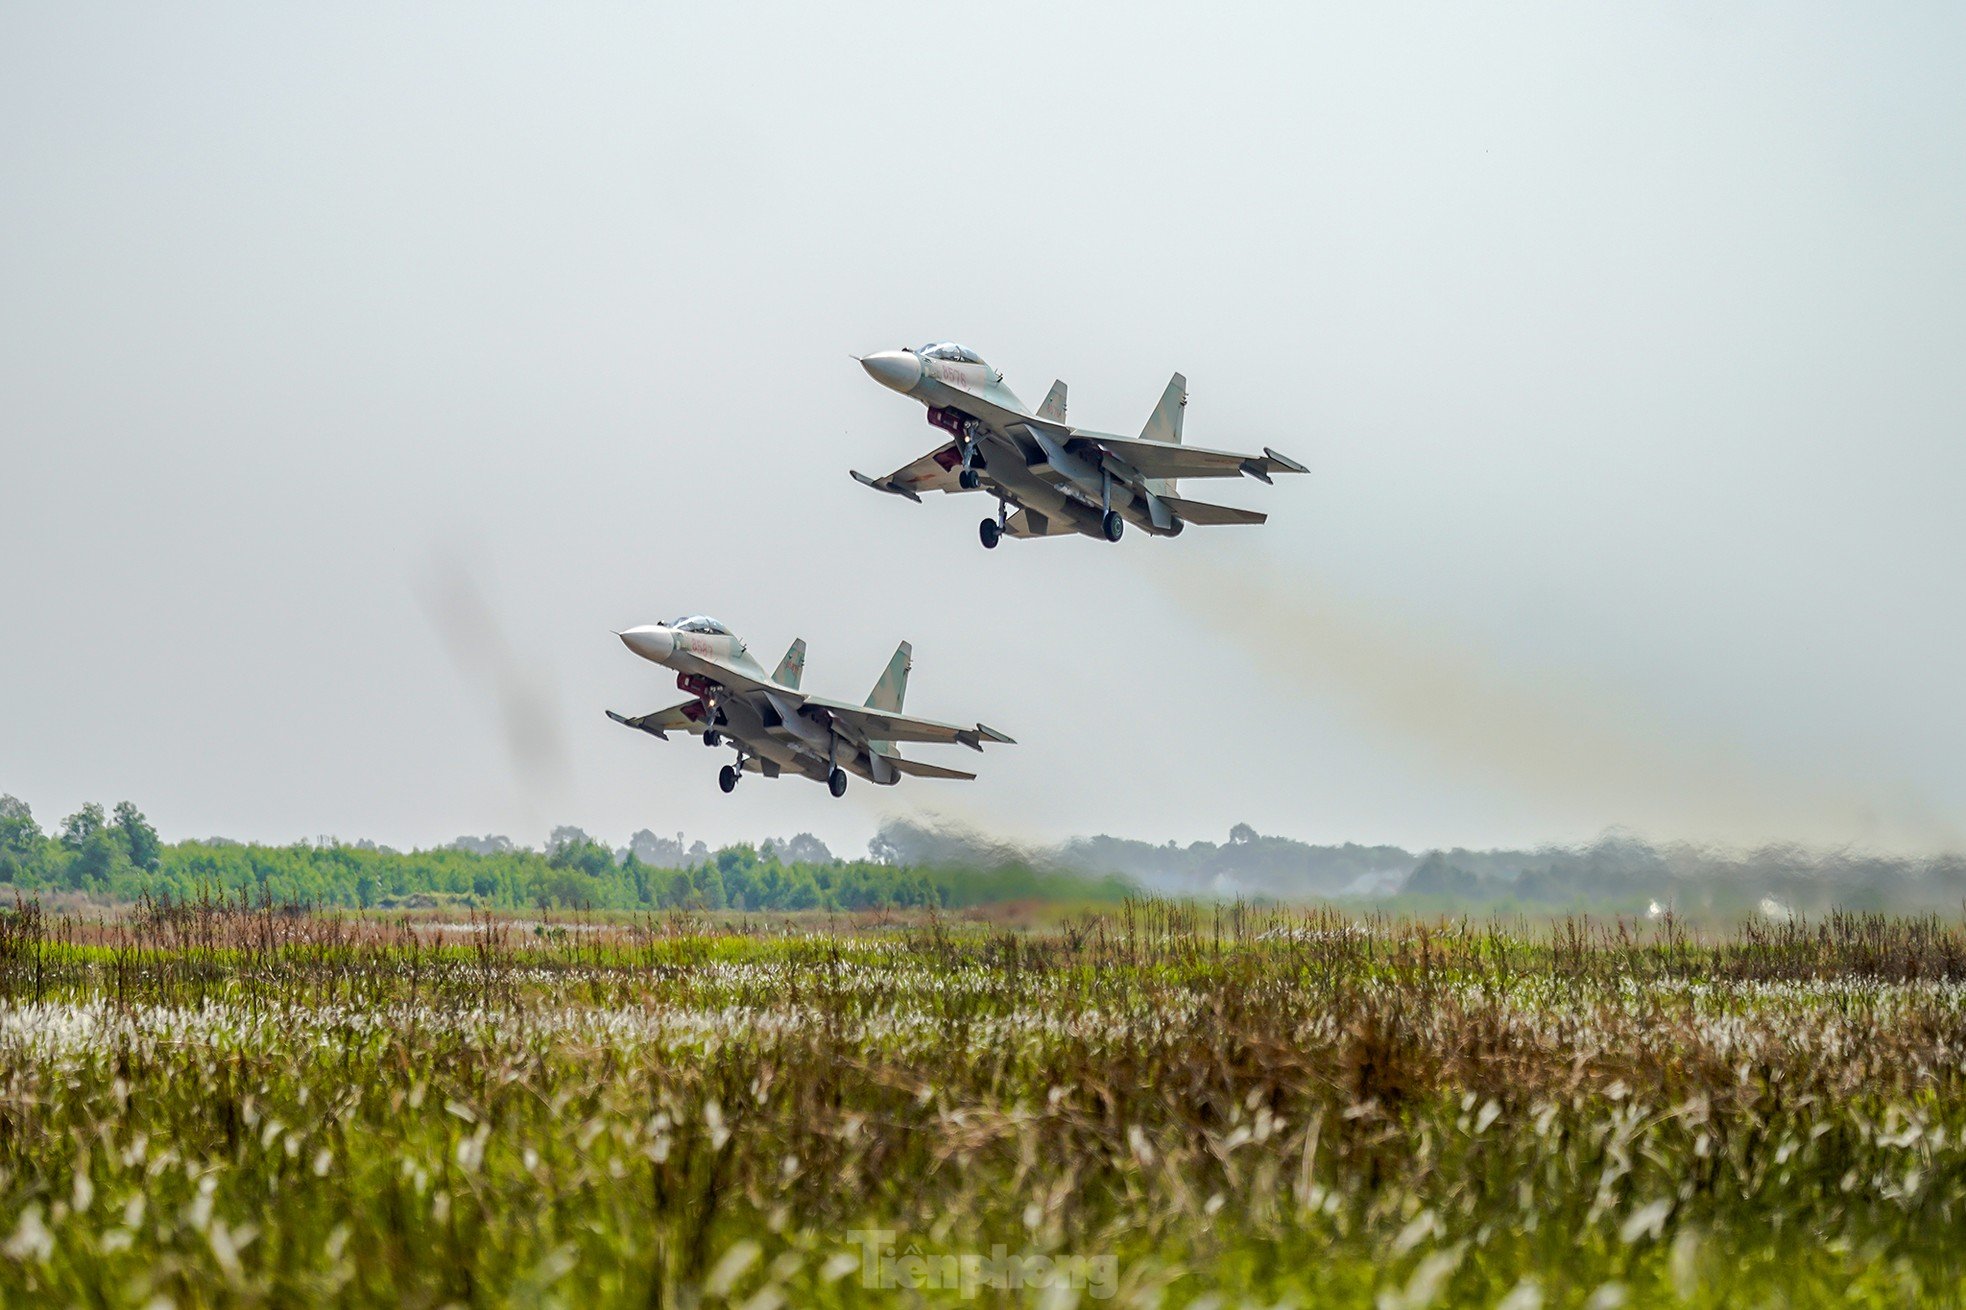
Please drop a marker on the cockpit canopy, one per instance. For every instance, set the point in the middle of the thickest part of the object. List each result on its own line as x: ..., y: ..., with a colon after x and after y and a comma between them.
x: 949, y: 350
x: 701, y: 623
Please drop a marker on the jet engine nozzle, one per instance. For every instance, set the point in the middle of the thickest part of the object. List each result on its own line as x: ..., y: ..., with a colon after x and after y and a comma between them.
x: 651, y: 641
x: 899, y: 370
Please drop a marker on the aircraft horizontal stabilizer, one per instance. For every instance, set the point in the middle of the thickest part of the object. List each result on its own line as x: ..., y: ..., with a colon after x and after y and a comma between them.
x: 915, y: 768
x: 887, y: 485
x: 1206, y: 515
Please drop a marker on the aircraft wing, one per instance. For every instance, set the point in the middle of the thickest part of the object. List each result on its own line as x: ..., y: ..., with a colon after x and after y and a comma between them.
x: 687, y: 717
x: 888, y: 725
x: 1164, y: 459
x: 935, y: 471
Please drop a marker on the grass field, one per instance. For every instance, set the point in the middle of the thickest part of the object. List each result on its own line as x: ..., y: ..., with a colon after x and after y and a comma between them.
x: 1162, y: 1105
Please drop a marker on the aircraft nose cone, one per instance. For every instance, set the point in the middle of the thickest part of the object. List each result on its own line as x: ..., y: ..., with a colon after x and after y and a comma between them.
x: 899, y: 369
x: 650, y: 641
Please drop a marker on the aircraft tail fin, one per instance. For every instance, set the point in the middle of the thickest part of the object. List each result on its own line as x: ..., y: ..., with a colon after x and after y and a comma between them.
x: 792, y: 667
x: 1054, y: 404
x: 1165, y: 425
x: 893, y: 686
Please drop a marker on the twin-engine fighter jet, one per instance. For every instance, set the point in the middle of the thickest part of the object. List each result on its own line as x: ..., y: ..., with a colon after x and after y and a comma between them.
x: 777, y: 728
x: 1062, y: 479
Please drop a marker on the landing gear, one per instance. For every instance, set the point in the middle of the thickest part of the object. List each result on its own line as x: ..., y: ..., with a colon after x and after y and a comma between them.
x: 993, y: 532
x: 969, y: 479
x: 711, y: 738
x: 727, y: 779
x: 836, y: 782
x: 1110, y: 521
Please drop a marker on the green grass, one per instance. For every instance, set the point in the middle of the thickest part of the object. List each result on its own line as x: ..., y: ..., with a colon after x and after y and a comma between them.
x: 209, y: 1106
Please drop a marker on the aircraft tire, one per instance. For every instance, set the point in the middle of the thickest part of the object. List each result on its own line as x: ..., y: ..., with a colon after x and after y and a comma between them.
x: 969, y: 479
x: 727, y: 779
x: 1113, y: 525
x: 990, y: 533
x: 712, y: 739
x: 836, y: 782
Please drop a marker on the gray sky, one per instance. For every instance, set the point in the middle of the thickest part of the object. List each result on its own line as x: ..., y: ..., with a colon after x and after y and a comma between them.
x: 362, y: 367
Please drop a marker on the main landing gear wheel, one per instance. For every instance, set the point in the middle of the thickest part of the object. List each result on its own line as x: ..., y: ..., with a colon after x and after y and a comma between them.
x: 712, y: 739
x: 990, y: 533
x: 836, y: 782
x: 1113, y: 525
x: 727, y: 779
x: 969, y: 479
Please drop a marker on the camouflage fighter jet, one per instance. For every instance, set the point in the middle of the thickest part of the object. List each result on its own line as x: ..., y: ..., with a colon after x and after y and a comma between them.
x: 777, y: 728
x: 1062, y: 479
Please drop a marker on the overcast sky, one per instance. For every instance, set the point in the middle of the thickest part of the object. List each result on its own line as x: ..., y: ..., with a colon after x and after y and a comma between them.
x: 363, y: 367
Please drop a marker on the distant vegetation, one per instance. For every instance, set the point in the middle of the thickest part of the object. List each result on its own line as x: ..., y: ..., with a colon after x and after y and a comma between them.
x: 1616, y: 874
x: 118, y: 857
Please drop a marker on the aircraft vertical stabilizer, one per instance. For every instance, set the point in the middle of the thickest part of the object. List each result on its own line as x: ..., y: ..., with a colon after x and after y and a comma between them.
x: 893, y: 686
x: 792, y: 667
x: 1165, y: 425
x: 1054, y: 404
x: 889, y: 692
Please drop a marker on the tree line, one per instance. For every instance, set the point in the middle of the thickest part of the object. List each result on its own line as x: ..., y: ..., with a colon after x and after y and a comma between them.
x: 118, y: 856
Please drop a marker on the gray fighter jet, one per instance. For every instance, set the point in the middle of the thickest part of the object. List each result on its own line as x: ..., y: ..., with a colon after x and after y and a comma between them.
x: 1062, y: 479
x: 778, y: 728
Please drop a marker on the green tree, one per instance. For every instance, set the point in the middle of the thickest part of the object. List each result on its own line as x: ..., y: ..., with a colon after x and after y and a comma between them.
x: 707, y: 884
x: 567, y: 889
x: 79, y: 827
x: 586, y: 855
x: 99, y: 862
x: 139, y: 838
x: 19, y: 832
x: 23, y: 846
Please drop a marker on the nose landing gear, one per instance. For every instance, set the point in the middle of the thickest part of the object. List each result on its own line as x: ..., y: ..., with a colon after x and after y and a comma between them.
x: 1112, y: 525
x: 836, y: 782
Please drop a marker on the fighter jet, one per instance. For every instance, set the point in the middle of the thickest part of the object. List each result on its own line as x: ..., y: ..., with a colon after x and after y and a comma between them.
x: 776, y: 727
x: 1062, y: 479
